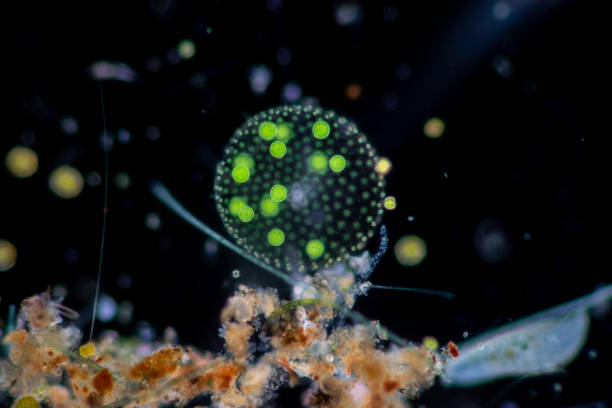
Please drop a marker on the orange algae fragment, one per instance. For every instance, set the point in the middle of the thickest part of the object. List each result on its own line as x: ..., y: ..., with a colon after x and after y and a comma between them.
x: 157, y: 365
x: 453, y: 349
x: 103, y: 382
x: 221, y: 378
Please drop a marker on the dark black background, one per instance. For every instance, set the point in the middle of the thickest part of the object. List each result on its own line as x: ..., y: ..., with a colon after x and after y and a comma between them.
x: 511, y: 157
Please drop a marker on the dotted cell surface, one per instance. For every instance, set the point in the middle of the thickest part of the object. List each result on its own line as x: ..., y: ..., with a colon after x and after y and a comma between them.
x: 297, y: 188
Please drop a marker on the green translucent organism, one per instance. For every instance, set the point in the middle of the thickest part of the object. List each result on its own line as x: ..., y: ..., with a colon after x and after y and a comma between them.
x: 297, y: 188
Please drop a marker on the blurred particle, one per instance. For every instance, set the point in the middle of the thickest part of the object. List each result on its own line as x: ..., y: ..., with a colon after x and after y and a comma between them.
x: 491, y: 242
x: 107, y: 308
x: 8, y: 255
x: 145, y: 331
x: 235, y: 274
x: 125, y: 312
x: 153, y: 221
x: 59, y: 291
x: 117, y: 71
x: 503, y: 66
x: 390, y: 203
x: 527, y: 236
x: 465, y: 335
x: 123, y: 181
x: 403, y: 71
x: 152, y: 133
x: 410, y: 218
x: 66, y: 182
x: 557, y: 387
x: 310, y: 101
x: 123, y: 136
x: 283, y: 56
x: 348, y: 13
x: 21, y: 161
x: 71, y: 256
x: 260, y: 77
x: 124, y: 281
x: 186, y: 49
x: 410, y: 250
x: 291, y: 92
x: 501, y: 10
x: 390, y: 13
x: 592, y: 354
x: 93, y: 179
x: 211, y: 247
x: 431, y: 343
x: 106, y: 141
x: 383, y: 166
x: 353, y: 92
x: 434, y: 128
x: 69, y: 125
x: 209, y: 30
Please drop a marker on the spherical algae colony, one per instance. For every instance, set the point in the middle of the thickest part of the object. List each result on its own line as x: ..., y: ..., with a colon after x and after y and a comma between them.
x: 297, y: 188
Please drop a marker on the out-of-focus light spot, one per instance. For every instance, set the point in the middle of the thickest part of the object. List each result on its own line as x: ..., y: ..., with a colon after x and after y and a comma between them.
x: 353, y: 92
x: 410, y: 218
x: 117, y: 71
x: 211, y: 247
x: 557, y: 387
x: 527, y: 236
x: 410, y: 250
x: 21, y: 161
x: 260, y: 77
x: 107, y: 308
x: 592, y: 354
x: 434, y: 128
x: 66, y: 182
x: 71, y: 256
x: 235, y: 274
x: 348, y: 13
x: 59, y: 291
x: 390, y: 13
x: 501, y: 10
x: 491, y: 242
x: 8, y: 255
x: 124, y: 281
x: 153, y: 133
x: 69, y: 125
x: 93, y: 179
x: 106, y: 141
x: 291, y: 92
x: 145, y: 331
x: 390, y: 203
x: 123, y: 181
x: 383, y: 166
x: 283, y: 56
x: 123, y: 136
x: 503, y: 66
x: 465, y: 334
x: 403, y: 71
x: 431, y: 343
x: 153, y: 221
x: 186, y: 49
x: 125, y: 312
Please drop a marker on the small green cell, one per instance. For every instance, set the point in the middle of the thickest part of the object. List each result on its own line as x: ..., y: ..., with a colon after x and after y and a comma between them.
x: 320, y: 129
x: 337, y: 163
x: 267, y: 130
x: 268, y: 207
x: 244, y: 160
x: 240, y: 174
x: 276, y: 237
x: 246, y: 214
x: 283, y: 132
x: 315, y: 248
x: 235, y: 204
x: 278, y: 149
x: 318, y: 162
x: 278, y: 193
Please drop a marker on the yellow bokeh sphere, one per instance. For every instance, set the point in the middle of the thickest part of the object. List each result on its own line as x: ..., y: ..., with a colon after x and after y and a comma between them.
x: 21, y: 161
x: 66, y: 182
x: 410, y: 250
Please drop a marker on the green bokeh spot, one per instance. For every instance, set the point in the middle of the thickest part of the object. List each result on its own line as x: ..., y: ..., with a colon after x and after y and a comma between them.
x: 246, y: 213
x: 267, y: 130
x: 278, y: 149
x: 244, y: 160
x: 283, y: 132
x: 276, y: 237
x: 337, y: 163
x: 278, y: 193
x: 315, y: 248
x: 318, y: 162
x: 268, y: 207
x: 240, y: 174
x: 235, y: 204
x: 320, y: 129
